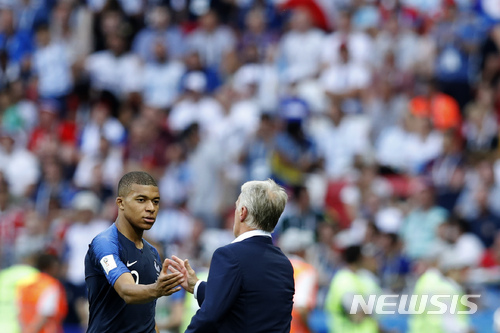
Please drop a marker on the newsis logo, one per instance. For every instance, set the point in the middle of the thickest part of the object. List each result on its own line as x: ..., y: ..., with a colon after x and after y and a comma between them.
x: 414, y: 304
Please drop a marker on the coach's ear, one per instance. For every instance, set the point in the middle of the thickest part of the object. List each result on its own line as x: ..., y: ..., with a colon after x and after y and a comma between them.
x: 119, y: 203
x: 243, y: 213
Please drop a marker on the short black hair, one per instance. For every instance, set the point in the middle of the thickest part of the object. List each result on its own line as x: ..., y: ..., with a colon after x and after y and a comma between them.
x: 45, y: 261
x: 352, y: 254
x: 134, y: 177
x: 42, y: 26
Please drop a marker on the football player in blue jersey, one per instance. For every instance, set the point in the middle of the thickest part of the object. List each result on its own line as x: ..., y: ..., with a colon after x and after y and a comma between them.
x: 123, y: 272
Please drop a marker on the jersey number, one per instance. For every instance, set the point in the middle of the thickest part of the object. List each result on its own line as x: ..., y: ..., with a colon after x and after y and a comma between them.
x: 136, y: 275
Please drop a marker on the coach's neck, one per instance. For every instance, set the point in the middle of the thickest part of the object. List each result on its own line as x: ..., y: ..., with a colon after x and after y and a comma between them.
x: 240, y: 222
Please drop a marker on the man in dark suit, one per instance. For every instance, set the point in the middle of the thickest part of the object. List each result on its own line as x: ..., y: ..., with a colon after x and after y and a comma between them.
x: 250, y: 285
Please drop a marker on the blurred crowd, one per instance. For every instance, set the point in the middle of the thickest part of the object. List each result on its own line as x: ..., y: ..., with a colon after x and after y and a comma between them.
x: 381, y: 119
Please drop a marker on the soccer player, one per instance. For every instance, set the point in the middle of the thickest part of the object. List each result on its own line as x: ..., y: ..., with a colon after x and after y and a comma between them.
x: 123, y: 272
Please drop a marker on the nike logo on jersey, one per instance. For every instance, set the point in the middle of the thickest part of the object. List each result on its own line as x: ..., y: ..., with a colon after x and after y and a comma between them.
x: 130, y: 263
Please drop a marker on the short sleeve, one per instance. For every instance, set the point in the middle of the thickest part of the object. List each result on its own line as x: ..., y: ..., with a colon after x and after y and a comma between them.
x: 107, y: 258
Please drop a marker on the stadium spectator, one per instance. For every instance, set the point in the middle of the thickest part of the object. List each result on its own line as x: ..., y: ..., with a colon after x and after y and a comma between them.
x: 195, y: 106
x: 52, y: 185
x: 300, y: 48
x: 357, y: 42
x: 42, y: 299
x: 460, y: 244
x: 456, y: 36
x: 100, y: 172
x: 161, y: 77
x: 296, y: 153
x: 71, y: 24
x: 17, y: 43
x: 481, y: 125
x: 447, y: 171
x: 115, y: 69
x: 394, y: 265
x: 337, y: 142
x: 19, y: 166
x: 101, y: 123
x: 159, y: 30
x: 299, y: 213
x: 419, y: 229
x: 85, y: 226
x: 10, y: 279
x: 211, y: 40
x: 346, y: 80
x: 256, y: 153
x: 444, y: 277
x: 257, y: 34
x: 346, y: 283
x: 482, y: 179
x: 294, y: 243
x: 52, y: 66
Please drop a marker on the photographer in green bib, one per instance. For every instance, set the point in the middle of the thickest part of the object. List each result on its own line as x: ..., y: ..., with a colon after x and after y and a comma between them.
x: 346, y: 283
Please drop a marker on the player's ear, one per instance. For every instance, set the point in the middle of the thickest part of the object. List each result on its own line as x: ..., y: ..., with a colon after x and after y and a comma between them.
x: 119, y: 203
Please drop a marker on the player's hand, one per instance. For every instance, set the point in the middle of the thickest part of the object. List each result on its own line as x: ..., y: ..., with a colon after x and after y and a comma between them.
x: 188, y: 273
x: 168, y: 283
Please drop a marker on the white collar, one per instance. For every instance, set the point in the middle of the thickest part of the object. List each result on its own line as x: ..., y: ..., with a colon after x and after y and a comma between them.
x: 251, y: 233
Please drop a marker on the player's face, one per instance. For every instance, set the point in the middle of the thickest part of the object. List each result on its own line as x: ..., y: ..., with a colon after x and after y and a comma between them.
x: 141, y: 205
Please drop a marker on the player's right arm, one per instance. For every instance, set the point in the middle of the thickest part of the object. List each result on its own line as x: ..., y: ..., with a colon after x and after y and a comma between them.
x: 132, y: 293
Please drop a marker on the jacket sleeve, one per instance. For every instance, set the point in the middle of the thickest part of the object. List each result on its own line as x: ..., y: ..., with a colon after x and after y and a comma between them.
x: 221, y: 291
x: 200, y: 295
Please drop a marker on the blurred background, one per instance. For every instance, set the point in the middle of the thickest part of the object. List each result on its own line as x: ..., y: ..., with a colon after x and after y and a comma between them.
x: 380, y: 118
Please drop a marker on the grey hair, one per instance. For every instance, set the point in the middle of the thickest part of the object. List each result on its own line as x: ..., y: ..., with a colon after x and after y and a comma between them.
x: 265, y: 202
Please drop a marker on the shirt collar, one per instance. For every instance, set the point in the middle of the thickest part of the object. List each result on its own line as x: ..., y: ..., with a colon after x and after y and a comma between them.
x: 251, y: 233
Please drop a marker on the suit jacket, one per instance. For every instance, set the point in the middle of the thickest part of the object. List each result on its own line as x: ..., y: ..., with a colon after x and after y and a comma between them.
x: 250, y: 289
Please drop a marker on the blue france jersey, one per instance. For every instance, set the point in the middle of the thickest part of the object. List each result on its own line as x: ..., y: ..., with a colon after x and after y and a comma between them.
x: 110, y: 255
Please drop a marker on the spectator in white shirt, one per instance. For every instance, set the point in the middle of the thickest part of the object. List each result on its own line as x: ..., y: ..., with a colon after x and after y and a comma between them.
x: 161, y: 78
x: 19, y: 166
x: 346, y: 81
x: 460, y: 246
x: 195, y: 107
x: 115, y: 69
x: 422, y: 146
x: 211, y: 40
x: 359, y: 43
x: 52, y: 65
x: 105, y: 166
x: 300, y: 48
x: 101, y: 124
x: 340, y: 139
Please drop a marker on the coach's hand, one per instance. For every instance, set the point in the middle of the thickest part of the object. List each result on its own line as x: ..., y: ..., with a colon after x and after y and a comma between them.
x: 168, y: 283
x: 188, y: 273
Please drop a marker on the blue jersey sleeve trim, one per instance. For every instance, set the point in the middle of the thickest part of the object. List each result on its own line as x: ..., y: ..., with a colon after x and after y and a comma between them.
x: 106, y: 249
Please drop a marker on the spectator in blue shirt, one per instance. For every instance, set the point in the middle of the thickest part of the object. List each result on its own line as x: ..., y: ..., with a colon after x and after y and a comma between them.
x: 18, y: 44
